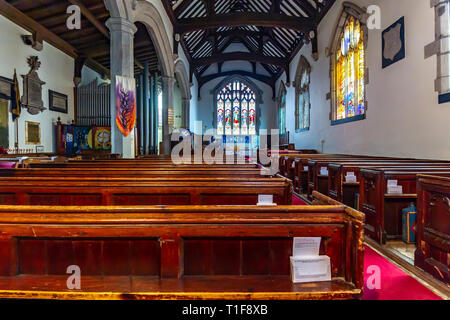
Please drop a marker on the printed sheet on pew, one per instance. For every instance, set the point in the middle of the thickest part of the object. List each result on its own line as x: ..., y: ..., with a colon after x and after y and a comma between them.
x: 306, y: 263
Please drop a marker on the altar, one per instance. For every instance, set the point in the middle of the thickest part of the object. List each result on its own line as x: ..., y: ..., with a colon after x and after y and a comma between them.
x: 239, y: 144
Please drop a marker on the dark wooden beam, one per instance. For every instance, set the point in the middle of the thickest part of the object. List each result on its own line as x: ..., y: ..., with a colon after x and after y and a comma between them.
x: 245, y: 56
x: 91, y: 18
x: 267, y: 80
x: 24, y: 21
x: 307, y: 7
x: 179, y: 10
x: 245, y: 19
x: 275, y: 7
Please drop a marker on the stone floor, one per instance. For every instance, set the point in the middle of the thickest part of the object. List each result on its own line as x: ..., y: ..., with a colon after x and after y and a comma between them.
x: 406, y: 250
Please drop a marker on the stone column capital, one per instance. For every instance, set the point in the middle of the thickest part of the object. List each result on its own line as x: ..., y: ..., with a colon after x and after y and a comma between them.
x: 168, y: 82
x: 121, y: 25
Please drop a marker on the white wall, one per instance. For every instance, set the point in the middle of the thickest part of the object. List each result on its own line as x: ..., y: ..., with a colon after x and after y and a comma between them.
x: 404, y: 118
x: 56, y: 70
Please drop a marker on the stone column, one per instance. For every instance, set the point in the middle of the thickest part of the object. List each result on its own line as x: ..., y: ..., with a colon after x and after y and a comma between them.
x: 146, y: 109
x: 167, y: 97
x: 122, y: 64
x: 185, y: 103
x: 440, y: 46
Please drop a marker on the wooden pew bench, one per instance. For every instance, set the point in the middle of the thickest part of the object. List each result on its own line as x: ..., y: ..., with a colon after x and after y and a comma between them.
x: 318, y: 181
x: 136, y: 172
x: 433, y: 226
x: 85, y: 191
x: 345, y: 192
x: 383, y: 211
x: 193, y: 252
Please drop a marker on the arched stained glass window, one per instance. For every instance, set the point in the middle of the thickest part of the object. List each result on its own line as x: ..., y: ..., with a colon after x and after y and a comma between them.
x: 302, y: 96
x: 282, y: 109
x: 236, y: 109
x: 350, y: 71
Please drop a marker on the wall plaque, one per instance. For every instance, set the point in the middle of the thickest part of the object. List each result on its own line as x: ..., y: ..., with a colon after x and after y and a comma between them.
x: 32, y: 133
x: 32, y: 88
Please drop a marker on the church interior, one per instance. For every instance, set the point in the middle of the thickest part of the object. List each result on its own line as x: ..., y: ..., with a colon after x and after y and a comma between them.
x: 225, y: 150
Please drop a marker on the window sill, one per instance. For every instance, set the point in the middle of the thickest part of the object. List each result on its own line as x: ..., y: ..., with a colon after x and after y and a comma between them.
x: 301, y: 130
x: 352, y: 119
x: 444, y: 98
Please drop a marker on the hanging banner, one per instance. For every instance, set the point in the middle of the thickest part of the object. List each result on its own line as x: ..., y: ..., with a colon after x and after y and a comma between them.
x: 125, y: 104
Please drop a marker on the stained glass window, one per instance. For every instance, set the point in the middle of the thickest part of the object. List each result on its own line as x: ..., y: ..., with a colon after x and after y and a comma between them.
x: 350, y: 69
x: 303, y: 103
x: 236, y: 109
x: 282, y: 110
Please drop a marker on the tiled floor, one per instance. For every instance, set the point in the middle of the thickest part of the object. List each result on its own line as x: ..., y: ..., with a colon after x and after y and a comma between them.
x: 405, y: 249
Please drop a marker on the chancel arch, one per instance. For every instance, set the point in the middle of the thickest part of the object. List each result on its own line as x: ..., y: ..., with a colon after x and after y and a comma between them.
x: 347, y: 52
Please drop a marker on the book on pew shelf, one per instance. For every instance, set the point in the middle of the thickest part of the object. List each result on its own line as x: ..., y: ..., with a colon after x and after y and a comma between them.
x: 324, y: 171
x: 350, y: 177
x: 306, y: 263
x: 393, y: 188
x: 265, y: 200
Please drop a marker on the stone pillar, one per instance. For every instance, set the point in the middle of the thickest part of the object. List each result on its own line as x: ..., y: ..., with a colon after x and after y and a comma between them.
x: 440, y: 46
x: 185, y: 103
x: 146, y: 109
x: 141, y: 114
x: 167, y: 97
x: 122, y: 64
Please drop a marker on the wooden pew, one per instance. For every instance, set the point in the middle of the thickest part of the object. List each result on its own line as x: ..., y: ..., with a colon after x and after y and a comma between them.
x: 318, y: 181
x: 132, y: 164
x: 136, y: 172
x: 193, y: 252
x: 383, y: 210
x: 88, y: 191
x: 345, y: 192
x: 433, y: 226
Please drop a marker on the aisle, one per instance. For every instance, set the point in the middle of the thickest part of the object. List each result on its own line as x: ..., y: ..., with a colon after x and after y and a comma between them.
x: 395, y: 284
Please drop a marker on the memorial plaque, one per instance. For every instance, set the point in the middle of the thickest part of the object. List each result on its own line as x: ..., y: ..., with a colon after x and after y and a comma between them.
x: 32, y: 88
x: 57, y: 101
x: 32, y: 133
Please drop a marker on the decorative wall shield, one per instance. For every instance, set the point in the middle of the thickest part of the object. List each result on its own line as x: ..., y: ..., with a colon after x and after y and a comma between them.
x: 32, y: 88
x: 394, y: 43
x: 125, y: 104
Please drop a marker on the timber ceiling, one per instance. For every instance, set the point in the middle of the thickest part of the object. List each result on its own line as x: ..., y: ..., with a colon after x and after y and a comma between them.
x: 272, y: 32
x: 90, y: 44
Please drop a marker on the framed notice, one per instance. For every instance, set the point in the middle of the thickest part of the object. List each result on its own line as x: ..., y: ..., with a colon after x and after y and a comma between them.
x: 32, y: 133
x: 57, y: 101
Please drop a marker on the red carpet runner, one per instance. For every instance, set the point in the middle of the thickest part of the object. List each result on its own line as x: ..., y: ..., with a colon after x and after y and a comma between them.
x: 394, y: 283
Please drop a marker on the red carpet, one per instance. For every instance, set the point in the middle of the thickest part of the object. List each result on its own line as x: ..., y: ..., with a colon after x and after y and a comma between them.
x: 395, y: 284
x: 296, y: 201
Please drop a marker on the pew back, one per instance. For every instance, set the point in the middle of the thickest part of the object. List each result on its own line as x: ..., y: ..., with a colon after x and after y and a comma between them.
x: 199, y: 252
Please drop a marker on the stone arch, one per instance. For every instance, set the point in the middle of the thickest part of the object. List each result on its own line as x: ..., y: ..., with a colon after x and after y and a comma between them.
x: 148, y: 14
x: 348, y: 9
x: 182, y: 78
